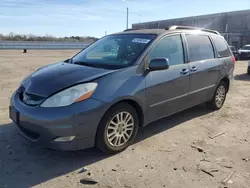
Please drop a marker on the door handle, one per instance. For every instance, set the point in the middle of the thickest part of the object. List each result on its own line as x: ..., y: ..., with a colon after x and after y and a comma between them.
x: 184, y: 71
x: 193, y: 69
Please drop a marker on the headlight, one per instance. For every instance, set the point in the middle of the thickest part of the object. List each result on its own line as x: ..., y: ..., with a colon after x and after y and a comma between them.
x: 71, y: 95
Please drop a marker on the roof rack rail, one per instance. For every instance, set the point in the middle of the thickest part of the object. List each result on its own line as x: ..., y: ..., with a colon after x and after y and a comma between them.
x: 130, y: 30
x: 192, y: 28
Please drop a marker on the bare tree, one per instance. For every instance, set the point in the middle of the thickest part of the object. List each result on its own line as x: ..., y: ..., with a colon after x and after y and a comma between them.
x: 31, y: 37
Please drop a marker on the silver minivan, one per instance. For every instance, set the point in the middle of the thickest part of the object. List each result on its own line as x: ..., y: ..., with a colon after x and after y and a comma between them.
x: 123, y: 81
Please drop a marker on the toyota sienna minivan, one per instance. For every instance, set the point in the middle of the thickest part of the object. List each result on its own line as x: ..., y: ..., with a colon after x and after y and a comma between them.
x: 100, y: 97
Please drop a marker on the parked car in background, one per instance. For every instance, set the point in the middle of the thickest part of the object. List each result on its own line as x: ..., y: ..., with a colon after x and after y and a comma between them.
x: 235, y: 52
x: 123, y: 81
x: 244, y: 53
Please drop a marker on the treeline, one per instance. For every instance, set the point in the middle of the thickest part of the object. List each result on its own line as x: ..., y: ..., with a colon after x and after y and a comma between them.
x: 30, y: 37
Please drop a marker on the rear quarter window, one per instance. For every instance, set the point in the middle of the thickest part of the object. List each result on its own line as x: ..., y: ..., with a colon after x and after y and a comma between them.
x: 199, y: 47
x: 221, y: 47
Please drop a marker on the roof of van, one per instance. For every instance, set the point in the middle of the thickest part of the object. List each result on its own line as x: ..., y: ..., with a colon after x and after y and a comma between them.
x: 161, y: 31
x: 144, y: 31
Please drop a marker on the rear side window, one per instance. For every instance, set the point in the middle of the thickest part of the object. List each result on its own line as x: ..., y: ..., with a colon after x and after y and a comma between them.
x: 199, y: 47
x: 221, y: 46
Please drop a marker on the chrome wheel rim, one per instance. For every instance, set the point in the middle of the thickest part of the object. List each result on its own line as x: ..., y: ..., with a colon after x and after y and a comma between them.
x: 120, y: 129
x: 220, y: 96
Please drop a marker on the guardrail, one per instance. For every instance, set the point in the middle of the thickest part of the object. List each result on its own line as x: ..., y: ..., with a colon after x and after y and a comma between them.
x: 42, y: 45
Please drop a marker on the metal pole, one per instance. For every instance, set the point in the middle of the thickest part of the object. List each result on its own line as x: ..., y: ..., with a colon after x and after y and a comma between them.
x: 105, y: 33
x: 226, y: 31
x: 127, y: 18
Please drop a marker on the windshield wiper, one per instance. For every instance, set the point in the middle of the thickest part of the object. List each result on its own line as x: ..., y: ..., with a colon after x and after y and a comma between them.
x: 97, y: 65
x: 81, y: 63
x: 86, y: 64
x: 68, y: 61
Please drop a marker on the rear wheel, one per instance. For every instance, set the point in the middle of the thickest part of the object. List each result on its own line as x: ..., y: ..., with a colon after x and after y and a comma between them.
x: 117, y: 129
x: 219, y: 96
x: 237, y: 57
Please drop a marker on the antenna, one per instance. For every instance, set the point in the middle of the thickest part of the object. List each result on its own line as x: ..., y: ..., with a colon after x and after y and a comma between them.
x: 127, y: 19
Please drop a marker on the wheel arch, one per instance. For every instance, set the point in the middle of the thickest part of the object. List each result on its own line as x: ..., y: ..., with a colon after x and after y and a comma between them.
x: 227, y: 81
x: 135, y: 104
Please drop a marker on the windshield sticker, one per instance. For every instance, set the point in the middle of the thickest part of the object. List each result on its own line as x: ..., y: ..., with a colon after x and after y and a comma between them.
x: 138, y: 40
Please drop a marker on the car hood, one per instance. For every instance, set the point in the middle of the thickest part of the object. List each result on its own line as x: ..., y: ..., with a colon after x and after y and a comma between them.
x: 50, y: 79
x: 244, y: 50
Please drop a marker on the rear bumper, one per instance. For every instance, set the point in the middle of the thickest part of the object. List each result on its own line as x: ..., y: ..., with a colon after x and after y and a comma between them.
x: 231, y: 78
x: 44, y: 125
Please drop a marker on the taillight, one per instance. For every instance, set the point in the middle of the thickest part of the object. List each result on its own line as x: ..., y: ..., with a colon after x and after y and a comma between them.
x: 233, y: 59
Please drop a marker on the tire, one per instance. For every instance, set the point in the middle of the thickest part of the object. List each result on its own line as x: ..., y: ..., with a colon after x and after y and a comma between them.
x: 237, y: 58
x: 219, y: 97
x: 116, y: 129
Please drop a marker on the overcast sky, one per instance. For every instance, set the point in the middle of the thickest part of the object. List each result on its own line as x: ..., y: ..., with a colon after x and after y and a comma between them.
x: 94, y: 17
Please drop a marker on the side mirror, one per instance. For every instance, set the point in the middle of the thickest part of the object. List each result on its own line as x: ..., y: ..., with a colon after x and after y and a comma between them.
x: 158, y: 64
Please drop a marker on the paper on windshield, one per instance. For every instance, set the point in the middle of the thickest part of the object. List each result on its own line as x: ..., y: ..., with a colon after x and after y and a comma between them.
x: 139, y: 40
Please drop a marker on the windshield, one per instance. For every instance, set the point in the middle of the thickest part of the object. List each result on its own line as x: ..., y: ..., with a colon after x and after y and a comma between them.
x: 246, y: 48
x: 114, y: 51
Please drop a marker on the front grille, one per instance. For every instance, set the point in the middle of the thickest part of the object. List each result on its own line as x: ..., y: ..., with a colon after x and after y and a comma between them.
x: 32, y: 135
x: 30, y: 99
x: 245, y: 53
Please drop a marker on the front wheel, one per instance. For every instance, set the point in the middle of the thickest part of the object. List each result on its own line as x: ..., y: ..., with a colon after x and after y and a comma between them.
x: 219, y: 97
x: 117, y: 129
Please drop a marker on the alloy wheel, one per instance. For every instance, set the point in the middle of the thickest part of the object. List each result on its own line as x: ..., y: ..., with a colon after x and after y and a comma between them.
x: 220, y: 96
x: 120, y: 129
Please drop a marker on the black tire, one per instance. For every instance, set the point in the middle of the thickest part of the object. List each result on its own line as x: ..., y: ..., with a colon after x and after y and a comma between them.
x: 101, y: 137
x: 237, y: 58
x: 213, y: 105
